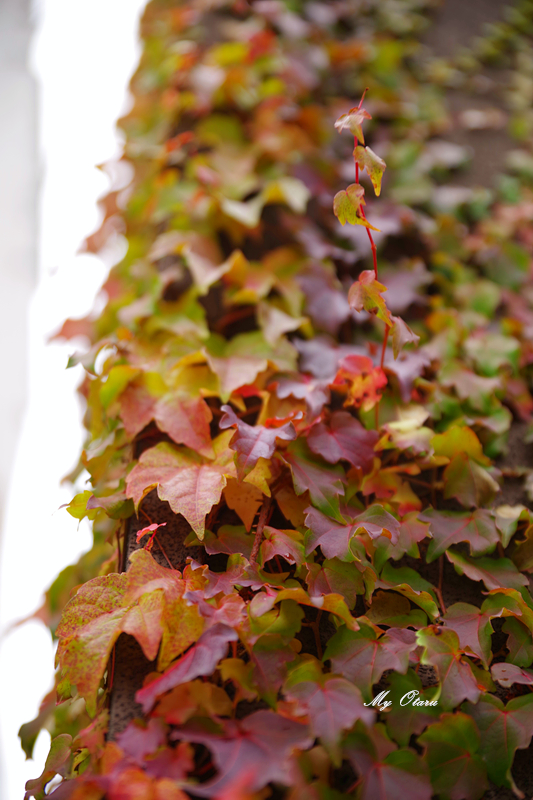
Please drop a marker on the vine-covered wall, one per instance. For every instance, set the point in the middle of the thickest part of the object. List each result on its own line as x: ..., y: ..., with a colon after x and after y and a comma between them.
x: 308, y: 412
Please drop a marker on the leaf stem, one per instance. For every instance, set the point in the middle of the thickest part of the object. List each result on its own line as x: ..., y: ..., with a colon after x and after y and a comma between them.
x: 261, y: 522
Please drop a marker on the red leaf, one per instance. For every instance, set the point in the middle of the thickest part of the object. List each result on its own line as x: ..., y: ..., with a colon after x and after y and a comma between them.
x: 385, y: 772
x: 362, y: 379
x: 252, y: 442
x: 332, y: 706
x: 363, y: 656
x: 262, y: 742
x: 449, y: 527
x: 201, y: 659
x: 345, y: 439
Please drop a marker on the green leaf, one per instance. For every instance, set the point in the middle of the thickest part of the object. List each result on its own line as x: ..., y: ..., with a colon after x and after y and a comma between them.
x: 386, y: 773
x: 468, y: 482
x: 347, y: 206
x: 323, y: 481
x: 452, y: 753
x: 503, y: 729
x: 404, y: 718
x: 442, y: 651
x: 494, y: 572
x: 374, y: 165
x: 57, y: 762
x: 365, y: 294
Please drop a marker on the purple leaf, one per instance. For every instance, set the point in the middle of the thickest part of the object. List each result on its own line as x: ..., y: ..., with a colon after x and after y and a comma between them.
x: 345, y: 439
x: 201, y: 659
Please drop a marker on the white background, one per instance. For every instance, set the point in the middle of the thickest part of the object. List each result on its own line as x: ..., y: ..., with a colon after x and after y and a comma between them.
x: 83, y: 55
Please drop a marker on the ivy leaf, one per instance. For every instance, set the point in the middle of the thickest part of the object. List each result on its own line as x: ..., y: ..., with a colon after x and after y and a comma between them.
x: 394, y: 610
x: 385, y: 772
x: 269, y: 658
x: 326, y: 301
x: 287, y: 544
x: 346, y: 205
x: 323, y: 482
x: 374, y: 165
x: 353, y: 121
x: 519, y: 642
x: 365, y: 294
x: 252, y: 442
x: 452, y: 752
x: 315, y: 392
x: 401, y: 335
x: 494, y: 572
x: 201, y: 659
x: 345, y: 439
x: 334, y: 539
x: 143, y: 602
x: 363, y: 381
x: 262, y: 743
x: 503, y: 729
x: 411, y: 585
x: 333, y: 705
x: 337, y: 577
x: 191, y: 485
x: 450, y: 527
x: 468, y: 482
x: 404, y: 718
x: 57, y: 762
x: 186, y: 420
x: 473, y: 627
x: 442, y: 651
x: 507, y: 674
x: 362, y: 656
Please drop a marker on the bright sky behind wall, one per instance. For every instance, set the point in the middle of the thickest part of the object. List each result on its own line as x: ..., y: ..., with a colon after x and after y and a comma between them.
x: 83, y: 56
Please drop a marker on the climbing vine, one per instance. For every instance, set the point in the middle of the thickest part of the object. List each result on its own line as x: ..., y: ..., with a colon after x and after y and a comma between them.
x: 299, y: 404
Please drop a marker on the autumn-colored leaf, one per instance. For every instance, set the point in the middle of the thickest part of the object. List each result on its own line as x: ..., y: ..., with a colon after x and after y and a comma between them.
x: 352, y: 122
x: 362, y: 656
x: 503, y: 729
x: 252, y: 442
x: 452, y: 752
x: 362, y: 379
x: 347, y: 206
x: 401, y: 335
x: 263, y: 741
x: 344, y: 439
x: 473, y: 627
x: 494, y: 572
x: 201, y: 659
x: 450, y: 527
x: 142, y: 602
x: 386, y: 773
x: 365, y: 294
x: 333, y: 705
x: 442, y: 651
x: 323, y: 482
x: 191, y: 485
x: 372, y: 163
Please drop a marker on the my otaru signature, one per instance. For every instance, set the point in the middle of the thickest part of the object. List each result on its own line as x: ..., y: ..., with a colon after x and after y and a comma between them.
x: 408, y: 697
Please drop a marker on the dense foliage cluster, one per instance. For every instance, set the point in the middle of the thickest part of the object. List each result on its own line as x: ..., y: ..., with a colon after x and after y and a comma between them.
x: 330, y: 427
